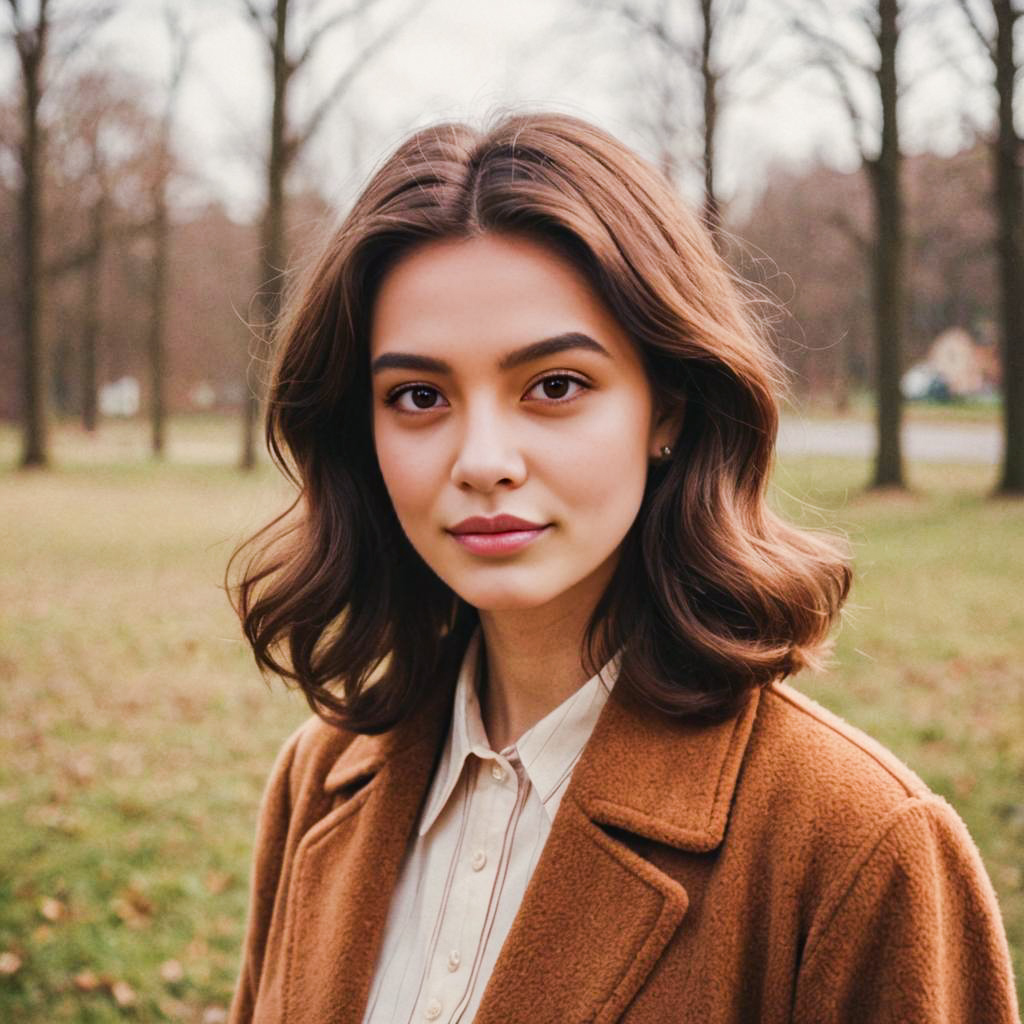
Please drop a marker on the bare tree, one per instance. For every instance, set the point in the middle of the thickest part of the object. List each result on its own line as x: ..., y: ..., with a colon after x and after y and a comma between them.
x: 100, y: 157
x: 31, y: 34
x: 708, y: 41
x: 817, y: 21
x: 31, y: 39
x: 92, y: 279
x: 1008, y: 200
x: 161, y: 235
x: 288, y: 137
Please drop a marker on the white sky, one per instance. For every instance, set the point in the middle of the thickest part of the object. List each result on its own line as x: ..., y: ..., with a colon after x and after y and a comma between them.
x: 463, y: 58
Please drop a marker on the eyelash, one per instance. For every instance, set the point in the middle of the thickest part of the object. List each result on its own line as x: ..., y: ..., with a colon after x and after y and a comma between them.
x: 393, y: 397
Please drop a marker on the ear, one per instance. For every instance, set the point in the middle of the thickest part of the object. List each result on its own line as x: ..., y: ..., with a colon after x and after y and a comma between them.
x: 666, y: 426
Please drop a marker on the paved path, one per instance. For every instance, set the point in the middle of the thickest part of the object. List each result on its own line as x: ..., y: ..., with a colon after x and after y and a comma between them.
x: 924, y: 442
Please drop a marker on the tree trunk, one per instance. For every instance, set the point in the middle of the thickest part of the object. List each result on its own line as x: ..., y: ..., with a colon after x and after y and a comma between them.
x: 64, y: 398
x: 33, y: 390
x: 709, y: 80
x: 92, y: 279
x: 888, y: 258
x: 158, y: 316
x: 272, y: 266
x: 1010, y: 206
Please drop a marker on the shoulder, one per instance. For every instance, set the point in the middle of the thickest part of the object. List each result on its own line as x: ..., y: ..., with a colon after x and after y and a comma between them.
x: 828, y: 787
x: 304, y: 761
x: 796, y: 733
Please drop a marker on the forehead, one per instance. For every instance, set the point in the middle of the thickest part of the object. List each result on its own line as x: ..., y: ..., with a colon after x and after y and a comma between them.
x: 466, y: 297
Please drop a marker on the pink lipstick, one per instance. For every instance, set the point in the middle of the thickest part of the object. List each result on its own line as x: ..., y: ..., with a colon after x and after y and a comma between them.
x: 500, y: 535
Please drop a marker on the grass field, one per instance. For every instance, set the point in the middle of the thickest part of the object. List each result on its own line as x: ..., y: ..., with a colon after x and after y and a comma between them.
x: 136, y: 734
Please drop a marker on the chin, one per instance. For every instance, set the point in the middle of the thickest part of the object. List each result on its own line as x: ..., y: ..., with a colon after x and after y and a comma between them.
x: 504, y: 600
x: 506, y: 595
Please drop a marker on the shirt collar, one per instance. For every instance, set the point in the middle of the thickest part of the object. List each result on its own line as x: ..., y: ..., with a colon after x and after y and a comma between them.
x: 548, y: 750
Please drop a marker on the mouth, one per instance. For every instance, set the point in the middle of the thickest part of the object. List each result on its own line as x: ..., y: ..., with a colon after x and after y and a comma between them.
x: 501, y: 535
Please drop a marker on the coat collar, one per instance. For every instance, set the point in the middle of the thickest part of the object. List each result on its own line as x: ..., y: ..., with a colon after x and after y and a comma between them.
x: 620, y: 779
x: 661, y: 778
x: 591, y: 893
x: 548, y: 750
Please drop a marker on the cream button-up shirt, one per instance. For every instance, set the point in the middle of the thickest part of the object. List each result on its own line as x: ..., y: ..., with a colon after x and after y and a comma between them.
x: 486, y: 818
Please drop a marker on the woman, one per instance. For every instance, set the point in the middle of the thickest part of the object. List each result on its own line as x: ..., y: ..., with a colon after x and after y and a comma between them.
x: 532, y: 590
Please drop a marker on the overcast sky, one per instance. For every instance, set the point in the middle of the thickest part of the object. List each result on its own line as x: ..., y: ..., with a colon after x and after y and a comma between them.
x: 464, y: 58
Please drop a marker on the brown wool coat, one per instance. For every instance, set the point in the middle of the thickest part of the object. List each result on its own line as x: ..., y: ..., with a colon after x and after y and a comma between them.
x: 780, y: 867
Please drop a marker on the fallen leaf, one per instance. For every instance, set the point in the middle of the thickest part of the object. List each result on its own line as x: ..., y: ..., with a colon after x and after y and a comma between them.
x: 171, y: 971
x: 217, y: 881
x: 51, y: 909
x: 81, y: 769
x: 87, y: 981
x: 10, y: 963
x: 964, y: 784
x: 123, y: 993
x: 52, y: 816
x: 132, y: 907
x: 175, y: 1009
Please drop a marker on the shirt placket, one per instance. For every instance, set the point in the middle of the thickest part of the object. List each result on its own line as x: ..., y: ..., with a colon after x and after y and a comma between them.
x: 494, y: 800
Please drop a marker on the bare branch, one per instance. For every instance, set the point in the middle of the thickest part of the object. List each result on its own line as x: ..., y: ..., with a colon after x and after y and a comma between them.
x: 657, y: 29
x: 828, y: 43
x: 345, y: 79
x: 836, y: 60
x: 328, y: 25
x: 89, y: 21
x: 845, y: 92
x: 987, y: 43
x: 907, y: 86
x: 953, y: 60
x: 758, y: 59
x: 262, y: 20
x: 255, y: 14
x: 726, y: 14
x: 181, y: 42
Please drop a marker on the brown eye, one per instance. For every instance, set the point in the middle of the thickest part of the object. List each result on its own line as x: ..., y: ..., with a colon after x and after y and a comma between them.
x: 559, y: 387
x: 416, y: 398
x: 423, y: 398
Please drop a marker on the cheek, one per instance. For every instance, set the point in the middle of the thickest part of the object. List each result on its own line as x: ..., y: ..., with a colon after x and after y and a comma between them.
x: 605, y: 465
x: 409, y: 473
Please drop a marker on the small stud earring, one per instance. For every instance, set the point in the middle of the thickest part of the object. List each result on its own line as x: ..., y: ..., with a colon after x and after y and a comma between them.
x: 666, y: 451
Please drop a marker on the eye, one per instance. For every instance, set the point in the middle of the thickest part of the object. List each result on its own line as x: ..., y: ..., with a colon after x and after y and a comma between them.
x: 416, y: 398
x: 557, y: 387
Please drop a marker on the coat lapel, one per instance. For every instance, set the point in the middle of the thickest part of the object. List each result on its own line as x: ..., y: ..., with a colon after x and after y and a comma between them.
x: 347, y: 865
x: 597, y: 916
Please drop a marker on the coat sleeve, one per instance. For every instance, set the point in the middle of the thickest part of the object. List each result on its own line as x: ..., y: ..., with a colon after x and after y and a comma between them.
x: 268, y: 859
x: 910, y: 932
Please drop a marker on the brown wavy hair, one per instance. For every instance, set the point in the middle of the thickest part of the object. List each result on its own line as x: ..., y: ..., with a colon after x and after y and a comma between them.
x: 713, y: 596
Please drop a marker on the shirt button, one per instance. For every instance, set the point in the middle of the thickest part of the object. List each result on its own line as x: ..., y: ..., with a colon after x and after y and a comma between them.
x: 479, y: 860
x: 454, y: 959
x: 497, y: 772
x: 432, y: 1010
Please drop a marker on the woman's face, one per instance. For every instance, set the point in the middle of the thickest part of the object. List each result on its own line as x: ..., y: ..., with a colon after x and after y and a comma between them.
x: 503, y: 387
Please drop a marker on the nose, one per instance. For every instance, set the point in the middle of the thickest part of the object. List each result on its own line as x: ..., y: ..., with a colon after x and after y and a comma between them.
x: 488, y: 455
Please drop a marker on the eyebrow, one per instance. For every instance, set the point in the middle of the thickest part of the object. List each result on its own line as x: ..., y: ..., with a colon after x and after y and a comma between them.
x: 527, y: 354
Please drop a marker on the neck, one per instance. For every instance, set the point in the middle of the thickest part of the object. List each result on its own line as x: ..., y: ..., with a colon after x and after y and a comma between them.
x: 534, y: 660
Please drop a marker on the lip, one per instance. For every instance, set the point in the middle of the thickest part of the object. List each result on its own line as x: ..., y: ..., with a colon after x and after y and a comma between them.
x: 501, y: 535
x: 498, y: 524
